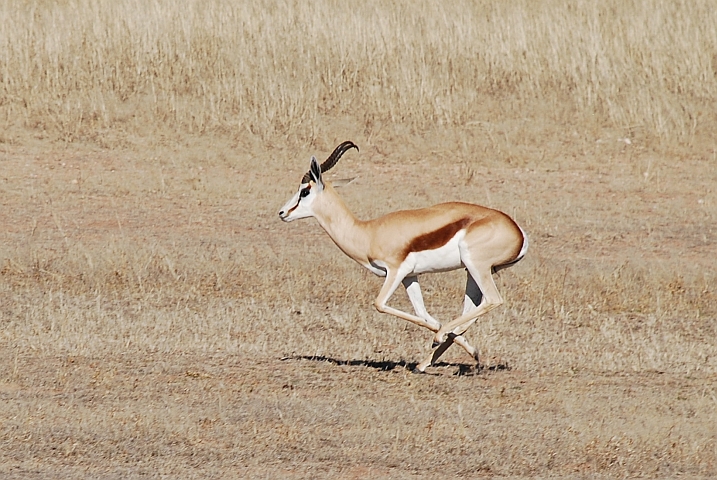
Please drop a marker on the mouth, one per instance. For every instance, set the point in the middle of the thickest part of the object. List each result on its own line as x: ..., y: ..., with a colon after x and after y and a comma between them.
x: 285, y: 213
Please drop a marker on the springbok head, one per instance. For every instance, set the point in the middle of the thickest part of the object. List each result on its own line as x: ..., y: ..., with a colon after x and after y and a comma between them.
x: 299, y: 205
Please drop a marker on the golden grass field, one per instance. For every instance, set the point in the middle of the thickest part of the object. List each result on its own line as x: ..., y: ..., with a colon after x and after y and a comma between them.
x: 158, y: 320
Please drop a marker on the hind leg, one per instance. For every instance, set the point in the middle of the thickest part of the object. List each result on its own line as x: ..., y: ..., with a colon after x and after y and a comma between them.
x: 473, y: 298
x: 483, y: 276
x: 473, y: 294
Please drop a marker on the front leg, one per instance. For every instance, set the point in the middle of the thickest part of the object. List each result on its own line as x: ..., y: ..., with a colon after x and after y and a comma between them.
x: 389, y: 287
x: 423, y: 319
x: 473, y: 298
x: 413, y: 289
x: 440, y: 350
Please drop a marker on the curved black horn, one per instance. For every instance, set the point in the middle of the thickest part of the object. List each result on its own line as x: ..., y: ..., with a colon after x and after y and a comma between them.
x: 333, y: 159
x: 336, y: 154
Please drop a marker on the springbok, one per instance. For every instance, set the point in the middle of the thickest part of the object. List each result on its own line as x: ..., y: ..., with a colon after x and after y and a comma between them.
x: 403, y: 244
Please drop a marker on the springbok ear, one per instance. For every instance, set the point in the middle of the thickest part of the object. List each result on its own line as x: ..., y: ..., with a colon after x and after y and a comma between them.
x: 342, y: 182
x: 315, y: 173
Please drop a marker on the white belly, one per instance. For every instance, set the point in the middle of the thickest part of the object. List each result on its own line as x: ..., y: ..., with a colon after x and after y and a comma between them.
x: 442, y: 259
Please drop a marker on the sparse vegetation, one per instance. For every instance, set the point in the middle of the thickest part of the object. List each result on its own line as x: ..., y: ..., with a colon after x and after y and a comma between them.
x: 158, y: 319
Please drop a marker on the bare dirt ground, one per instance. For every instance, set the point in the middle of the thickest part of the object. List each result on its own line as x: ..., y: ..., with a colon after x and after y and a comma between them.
x: 229, y: 417
x: 159, y: 321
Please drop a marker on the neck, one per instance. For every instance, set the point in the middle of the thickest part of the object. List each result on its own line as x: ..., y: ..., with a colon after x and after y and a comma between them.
x: 347, y: 232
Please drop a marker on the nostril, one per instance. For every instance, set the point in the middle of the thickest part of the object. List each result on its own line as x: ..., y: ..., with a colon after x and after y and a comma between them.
x: 281, y: 213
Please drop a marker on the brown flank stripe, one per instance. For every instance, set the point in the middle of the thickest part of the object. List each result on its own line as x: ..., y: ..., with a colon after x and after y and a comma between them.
x: 437, y: 238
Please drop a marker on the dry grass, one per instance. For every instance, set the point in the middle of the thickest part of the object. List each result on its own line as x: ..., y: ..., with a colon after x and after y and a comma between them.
x: 158, y: 319
x: 78, y: 67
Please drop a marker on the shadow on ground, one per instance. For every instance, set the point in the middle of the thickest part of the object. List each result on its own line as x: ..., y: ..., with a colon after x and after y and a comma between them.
x: 464, y: 369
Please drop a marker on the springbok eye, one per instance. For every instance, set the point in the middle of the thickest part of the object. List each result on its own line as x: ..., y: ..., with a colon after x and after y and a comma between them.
x: 305, y: 192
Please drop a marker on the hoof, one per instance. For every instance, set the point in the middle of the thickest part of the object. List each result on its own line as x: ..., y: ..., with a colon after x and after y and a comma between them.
x: 435, y: 344
x: 418, y: 372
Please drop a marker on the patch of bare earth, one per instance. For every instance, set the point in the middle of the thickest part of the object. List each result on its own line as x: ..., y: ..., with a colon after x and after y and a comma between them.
x: 236, y: 416
x: 159, y: 321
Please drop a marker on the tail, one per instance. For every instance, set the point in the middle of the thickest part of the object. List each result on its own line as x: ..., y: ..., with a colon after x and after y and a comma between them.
x: 521, y: 254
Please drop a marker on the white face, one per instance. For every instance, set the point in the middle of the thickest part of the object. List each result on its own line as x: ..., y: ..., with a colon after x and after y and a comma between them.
x: 299, y: 206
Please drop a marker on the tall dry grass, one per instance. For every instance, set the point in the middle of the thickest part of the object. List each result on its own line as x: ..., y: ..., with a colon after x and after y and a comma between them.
x: 78, y: 67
